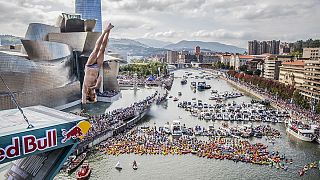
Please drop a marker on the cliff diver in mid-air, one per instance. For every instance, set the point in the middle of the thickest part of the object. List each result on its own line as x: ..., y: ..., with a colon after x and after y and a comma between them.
x: 92, y: 79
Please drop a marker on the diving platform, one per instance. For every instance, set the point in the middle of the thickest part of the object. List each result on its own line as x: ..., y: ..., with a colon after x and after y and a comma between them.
x: 38, y: 152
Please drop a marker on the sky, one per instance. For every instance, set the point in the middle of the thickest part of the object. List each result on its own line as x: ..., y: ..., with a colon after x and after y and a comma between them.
x: 227, y: 21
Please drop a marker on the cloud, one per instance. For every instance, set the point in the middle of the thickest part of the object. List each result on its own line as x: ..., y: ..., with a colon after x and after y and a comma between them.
x: 156, y: 5
x: 164, y: 35
x: 262, y: 12
x: 131, y: 22
x: 222, y: 34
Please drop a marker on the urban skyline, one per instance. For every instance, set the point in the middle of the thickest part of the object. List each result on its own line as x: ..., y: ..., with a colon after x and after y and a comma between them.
x: 232, y: 22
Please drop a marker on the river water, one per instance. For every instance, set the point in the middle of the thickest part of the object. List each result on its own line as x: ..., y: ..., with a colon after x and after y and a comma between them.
x: 190, y: 166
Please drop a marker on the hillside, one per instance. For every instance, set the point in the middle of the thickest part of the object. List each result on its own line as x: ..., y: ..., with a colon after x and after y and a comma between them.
x: 214, y: 46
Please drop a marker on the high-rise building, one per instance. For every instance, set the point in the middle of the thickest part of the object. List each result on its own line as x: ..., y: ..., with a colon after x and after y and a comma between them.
x: 197, y: 50
x: 261, y: 47
x: 172, y: 57
x: 252, y: 47
x: 90, y: 9
x: 275, y: 45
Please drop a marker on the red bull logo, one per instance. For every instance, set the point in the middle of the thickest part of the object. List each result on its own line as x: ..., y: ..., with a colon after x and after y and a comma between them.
x: 76, y: 132
x: 28, y: 144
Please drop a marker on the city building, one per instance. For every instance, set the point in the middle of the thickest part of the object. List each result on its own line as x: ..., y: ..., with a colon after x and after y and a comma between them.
x: 172, y: 57
x: 261, y: 47
x: 271, y: 68
x: 292, y: 73
x: 186, y: 57
x: 253, y: 64
x: 225, y: 59
x: 198, y: 51
x: 311, y: 87
x: 90, y: 9
x: 210, y: 58
x: 285, y: 48
x: 253, y: 47
x: 311, y: 53
x: 239, y: 60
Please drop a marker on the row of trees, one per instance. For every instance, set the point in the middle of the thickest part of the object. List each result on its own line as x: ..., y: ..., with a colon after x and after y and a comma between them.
x: 143, y: 69
x: 282, y: 91
x: 221, y: 65
x: 310, y: 43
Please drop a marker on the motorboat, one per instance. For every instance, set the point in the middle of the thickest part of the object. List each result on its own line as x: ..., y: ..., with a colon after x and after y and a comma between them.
x: 118, y: 166
x: 214, y: 91
x: 134, y: 165
x: 176, y: 128
x: 201, y: 86
x: 175, y: 99
x: 193, y: 84
x: 207, y: 86
x: 184, y: 81
x: 317, y: 136
x: 301, y: 130
x: 84, y: 172
x: 76, y: 163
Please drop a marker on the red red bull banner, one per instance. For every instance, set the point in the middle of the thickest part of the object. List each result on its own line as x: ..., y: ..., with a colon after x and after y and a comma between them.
x: 19, y: 146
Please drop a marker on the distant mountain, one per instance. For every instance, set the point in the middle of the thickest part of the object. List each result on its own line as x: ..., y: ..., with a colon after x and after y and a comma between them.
x: 214, y: 46
x: 153, y: 42
x: 132, y: 47
x: 129, y: 42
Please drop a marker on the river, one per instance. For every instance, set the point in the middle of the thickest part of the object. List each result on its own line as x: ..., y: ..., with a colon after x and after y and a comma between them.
x: 190, y: 166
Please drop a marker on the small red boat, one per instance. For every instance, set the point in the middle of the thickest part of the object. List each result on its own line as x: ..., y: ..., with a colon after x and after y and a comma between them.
x: 84, y: 172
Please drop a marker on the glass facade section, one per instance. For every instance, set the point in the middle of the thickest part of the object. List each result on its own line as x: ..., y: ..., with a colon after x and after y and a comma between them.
x: 90, y: 9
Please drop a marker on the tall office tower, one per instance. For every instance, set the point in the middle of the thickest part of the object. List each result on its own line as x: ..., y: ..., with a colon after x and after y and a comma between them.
x: 197, y: 50
x: 90, y: 9
x: 275, y: 45
x: 253, y: 47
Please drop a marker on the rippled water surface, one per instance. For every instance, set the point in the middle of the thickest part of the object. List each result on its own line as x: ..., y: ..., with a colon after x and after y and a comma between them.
x: 189, y: 166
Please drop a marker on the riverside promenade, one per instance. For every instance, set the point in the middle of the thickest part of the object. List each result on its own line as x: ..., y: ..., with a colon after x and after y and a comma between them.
x: 295, y: 111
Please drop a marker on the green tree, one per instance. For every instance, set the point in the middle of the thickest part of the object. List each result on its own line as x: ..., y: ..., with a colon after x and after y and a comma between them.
x: 318, y: 108
x: 257, y: 72
x: 243, y: 68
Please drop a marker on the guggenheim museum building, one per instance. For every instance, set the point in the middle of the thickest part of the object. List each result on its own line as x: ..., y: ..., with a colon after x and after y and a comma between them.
x: 48, y: 68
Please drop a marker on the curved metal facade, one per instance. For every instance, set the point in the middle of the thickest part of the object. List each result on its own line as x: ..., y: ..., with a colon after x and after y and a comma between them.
x: 45, y: 50
x: 79, y: 41
x: 23, y: 75
x: 51, y: 83
x: 89, y: 25
x: 38, y: 31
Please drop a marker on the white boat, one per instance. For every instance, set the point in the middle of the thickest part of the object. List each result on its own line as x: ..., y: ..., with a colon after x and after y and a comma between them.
x: 166, y: 128
x: 301, y: 131
x: 118, y: 166
x: 176, y: 128
x: 317, y: 135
